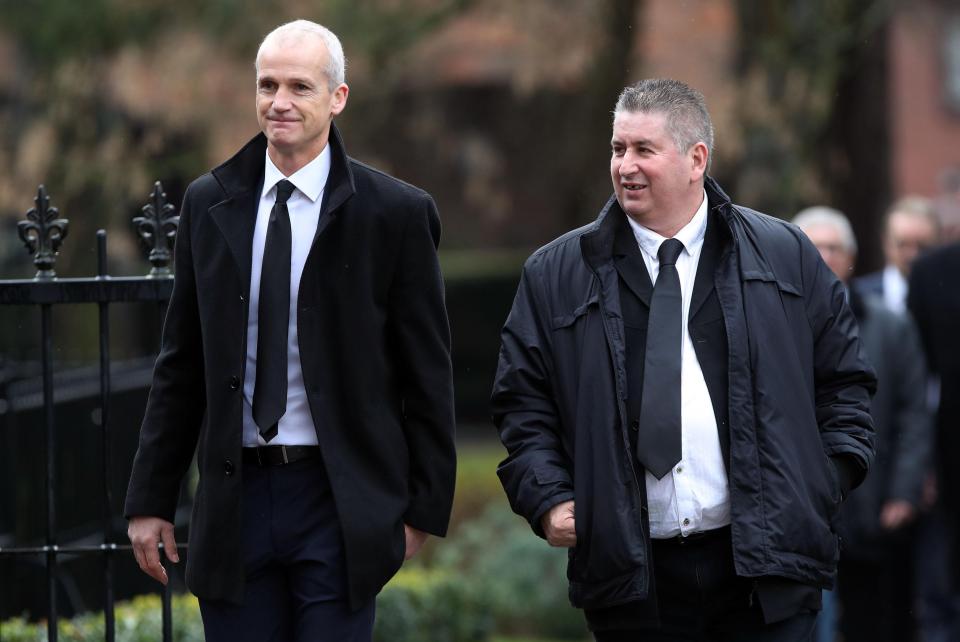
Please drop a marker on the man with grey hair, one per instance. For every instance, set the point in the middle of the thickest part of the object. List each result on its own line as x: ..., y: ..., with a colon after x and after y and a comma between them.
x: 306, y: 348
x: 910, y: 227
x: 683, y: 398
x: 877, y: 522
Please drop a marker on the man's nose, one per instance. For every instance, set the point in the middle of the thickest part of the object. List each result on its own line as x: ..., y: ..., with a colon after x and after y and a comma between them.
x: 628, y: 164
x: 281, y: 100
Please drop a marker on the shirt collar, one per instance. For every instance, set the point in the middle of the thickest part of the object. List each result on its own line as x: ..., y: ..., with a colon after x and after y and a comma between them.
x: 691, y: 234
x: 309, y: 179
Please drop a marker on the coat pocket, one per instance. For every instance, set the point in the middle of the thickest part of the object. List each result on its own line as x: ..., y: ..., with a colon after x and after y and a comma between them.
x: 566, y: 320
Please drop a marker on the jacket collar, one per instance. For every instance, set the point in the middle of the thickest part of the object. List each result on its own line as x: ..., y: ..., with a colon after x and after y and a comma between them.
x: 241, y: 178
x: 604, y: 238
x: 244, y: 170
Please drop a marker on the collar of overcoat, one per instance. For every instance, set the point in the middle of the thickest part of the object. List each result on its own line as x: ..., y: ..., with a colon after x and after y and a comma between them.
x: 612, y: 239
x: 241, y: 178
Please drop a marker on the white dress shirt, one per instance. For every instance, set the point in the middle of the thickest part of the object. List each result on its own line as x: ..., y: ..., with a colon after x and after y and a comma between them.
x: 296, y: 427
x: 694, y: 496
x: 894, y: 290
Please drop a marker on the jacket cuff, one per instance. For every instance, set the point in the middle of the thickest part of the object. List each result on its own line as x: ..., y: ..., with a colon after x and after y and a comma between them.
x: 849, y: 473
x: 536, y: 522
x: 427, y: 520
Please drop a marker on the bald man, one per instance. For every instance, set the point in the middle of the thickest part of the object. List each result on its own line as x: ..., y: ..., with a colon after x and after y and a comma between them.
x: 306, y: 348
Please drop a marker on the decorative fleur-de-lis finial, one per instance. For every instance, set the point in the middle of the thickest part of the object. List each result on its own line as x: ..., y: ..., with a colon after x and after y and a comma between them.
x: 43, y: 233
x: 157, y: 228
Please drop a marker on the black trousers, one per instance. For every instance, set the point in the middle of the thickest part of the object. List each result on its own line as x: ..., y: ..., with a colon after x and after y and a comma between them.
x: 293, y: 559
x: 700, y: 598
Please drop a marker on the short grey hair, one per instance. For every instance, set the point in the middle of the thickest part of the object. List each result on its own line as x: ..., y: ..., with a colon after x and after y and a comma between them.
x: 336, y: 68
x: 822, y: 215
x: 914, y: 206
x: 688, y: 120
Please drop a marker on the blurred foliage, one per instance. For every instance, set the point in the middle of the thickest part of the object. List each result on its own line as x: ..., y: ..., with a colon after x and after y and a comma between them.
x: 436, y: 605
x: 794, y: 57
x: 461, y: 265
x: 138, y: 620
x: 521, y: 577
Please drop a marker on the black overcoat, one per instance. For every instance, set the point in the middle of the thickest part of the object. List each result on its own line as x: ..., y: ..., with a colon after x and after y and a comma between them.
x: 375, y: 352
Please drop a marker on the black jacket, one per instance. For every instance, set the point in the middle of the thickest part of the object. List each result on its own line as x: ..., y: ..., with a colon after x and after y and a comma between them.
x: 374, y: 348
x: 934, y: 301
x: 798, y: 392
x: 904, y: 427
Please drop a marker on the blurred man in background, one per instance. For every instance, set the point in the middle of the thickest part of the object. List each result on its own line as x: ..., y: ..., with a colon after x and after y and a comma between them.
x: 934, y: 301
x: 875, y: 578
x: 910, y: 227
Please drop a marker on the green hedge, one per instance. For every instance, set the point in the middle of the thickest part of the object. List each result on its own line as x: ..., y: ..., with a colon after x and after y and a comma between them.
x: 138, y: 620
x: 417, y: 605
x: 522, y: 579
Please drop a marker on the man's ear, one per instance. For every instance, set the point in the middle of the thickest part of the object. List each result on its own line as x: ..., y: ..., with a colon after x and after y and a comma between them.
x: 698, y: 154
x: 339, y: 100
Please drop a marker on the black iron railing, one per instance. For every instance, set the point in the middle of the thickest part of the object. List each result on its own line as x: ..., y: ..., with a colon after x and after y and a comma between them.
x: 43, y: 232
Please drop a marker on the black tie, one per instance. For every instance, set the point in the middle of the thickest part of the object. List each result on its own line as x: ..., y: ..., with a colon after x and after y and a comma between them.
x: 270, y: 389
x: 658, y: 436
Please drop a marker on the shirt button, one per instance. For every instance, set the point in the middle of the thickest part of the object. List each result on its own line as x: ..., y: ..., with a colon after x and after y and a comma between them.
x: 234, y: 383
x: 679, y: 469
x: 227, y: 467
x: 686, y: 522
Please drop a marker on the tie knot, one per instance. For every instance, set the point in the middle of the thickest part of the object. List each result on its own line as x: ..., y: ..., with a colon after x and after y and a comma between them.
x: 669, y: 251
x: 284, y: 190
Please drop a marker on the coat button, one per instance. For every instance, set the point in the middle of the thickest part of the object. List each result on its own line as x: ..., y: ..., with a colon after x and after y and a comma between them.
x: 241, y: 298
x: 227, y: 467
x: 635, y: 424
x: 234, y: 383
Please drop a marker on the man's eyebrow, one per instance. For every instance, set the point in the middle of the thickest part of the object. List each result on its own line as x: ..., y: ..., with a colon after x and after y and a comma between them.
x: 641, y: 142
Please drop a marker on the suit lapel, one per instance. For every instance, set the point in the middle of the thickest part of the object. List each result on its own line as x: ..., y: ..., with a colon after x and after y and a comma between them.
x: 709, y: 255
x: 241, y: 178
x: 340, y: 184
x: 628, y: 260
x: 236, y: 217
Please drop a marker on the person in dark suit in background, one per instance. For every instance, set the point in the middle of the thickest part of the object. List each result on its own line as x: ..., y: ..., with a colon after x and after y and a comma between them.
x: 909, y: 228
x: 683, y: 398
x: 307, y: 349
x: 934, y: 301
x: 875, y: 583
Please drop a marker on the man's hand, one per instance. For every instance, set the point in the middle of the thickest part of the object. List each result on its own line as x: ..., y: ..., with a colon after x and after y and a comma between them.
x: 145, y: 534
x: 558, y: 525
x: 415, y: 539
x: 896, y: 513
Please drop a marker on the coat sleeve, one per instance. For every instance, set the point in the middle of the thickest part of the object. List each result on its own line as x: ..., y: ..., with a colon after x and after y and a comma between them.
x: 844, y: 381
x: 913, y: 421
x: 176, y: 404
x: 422, y: 333
x: 536, y: 472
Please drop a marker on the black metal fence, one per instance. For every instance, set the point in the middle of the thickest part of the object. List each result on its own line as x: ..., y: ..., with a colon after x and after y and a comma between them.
x: 43, y: 232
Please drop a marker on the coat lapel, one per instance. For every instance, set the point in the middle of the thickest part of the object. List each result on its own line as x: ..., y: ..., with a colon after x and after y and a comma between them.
x: 241, y: 178
x: 340, y: 184
x: 236, y: 214
x: 628, y: 260
x: 709, y: 255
